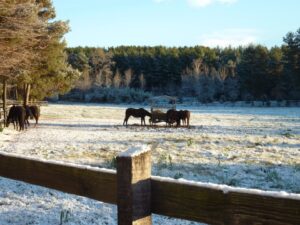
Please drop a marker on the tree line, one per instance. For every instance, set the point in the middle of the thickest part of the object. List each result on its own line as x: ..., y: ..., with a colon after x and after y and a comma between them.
x: 254, y: 72
x: 35, y: 63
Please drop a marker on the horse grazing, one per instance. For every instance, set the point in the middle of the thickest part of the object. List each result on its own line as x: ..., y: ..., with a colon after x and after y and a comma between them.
x: 16, y: 116
x: 35, y: 113
x: 158, y: 116
x: 142, y: 113
x: 185, y: 117
x: 27, y: 115
x: 32, y: 111
x: 173, y: 116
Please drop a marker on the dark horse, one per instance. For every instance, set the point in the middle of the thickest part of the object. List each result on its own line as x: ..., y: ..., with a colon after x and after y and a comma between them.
x: 142, y: 113
x: 16, y: 116
x: 176, y: 116
x: 173, y: 116
x: 185, y: 117
x: 35, y: 113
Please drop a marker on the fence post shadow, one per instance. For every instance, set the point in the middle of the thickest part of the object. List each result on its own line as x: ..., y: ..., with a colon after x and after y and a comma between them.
x: 134, y: 186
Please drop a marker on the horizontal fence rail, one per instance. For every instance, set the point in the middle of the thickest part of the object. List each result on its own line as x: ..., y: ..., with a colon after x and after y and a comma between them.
x: 90, y: 182
x: 208, y: 203
x: 15, y: 102
x: 220, y: 204
x: 2, y: 117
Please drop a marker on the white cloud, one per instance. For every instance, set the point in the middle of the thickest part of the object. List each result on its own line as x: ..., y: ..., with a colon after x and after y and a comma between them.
x: 204, y: 3
x: 227, y: 1
x: 159, y: 1
x: 201, y: 3
x: 232, y: 37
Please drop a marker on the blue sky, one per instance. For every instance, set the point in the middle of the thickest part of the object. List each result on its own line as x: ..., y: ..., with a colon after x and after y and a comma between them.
x: 105, y: 23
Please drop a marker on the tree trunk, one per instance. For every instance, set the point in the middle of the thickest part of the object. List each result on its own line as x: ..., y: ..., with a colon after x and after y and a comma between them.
x: 16, y: 93
x: 26, y: 94
x: 4, y: 96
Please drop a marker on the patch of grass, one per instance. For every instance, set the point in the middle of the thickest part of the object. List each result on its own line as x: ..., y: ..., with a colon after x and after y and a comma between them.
x: 165, y: 161
x: 253, y: 145
x: 272, y: 176
x: 227, y: 148
x: 287, y: 134
x: 111, y: 162
x: 297, y: 167
x: 233, y: 182
x: 189, y: 142
x: 178, y: 175
x: 64, y: 216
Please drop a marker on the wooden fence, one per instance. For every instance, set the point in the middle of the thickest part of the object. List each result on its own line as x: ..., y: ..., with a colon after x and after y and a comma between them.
x: 2, y: 117
x: 14, y: 102
x: 138, y: 194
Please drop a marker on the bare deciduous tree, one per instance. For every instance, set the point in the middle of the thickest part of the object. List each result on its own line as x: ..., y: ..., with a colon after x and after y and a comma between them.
x: 128, y: 77
x: 142, y: 81
x: 117, y: 79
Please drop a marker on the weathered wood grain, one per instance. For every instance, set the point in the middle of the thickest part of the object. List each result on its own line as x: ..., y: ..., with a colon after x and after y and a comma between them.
x: 93, y: 184
x: 166, y: 197
x: 212, y: 206
x: 4, y: 96
x: 134, y: 188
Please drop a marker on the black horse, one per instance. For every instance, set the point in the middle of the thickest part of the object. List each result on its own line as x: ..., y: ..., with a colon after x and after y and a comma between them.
x: 173, y: 116
x: 176, y: 116
x: 27, y: 115
x: 16, y: 116
x: 142, y: 113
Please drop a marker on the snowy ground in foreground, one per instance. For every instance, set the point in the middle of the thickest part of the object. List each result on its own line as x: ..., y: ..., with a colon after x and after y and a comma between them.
x: 243, y: 147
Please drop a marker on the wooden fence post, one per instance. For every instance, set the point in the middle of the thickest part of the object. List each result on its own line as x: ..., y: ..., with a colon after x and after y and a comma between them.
x: 134, y: 186
x: 4, y: 97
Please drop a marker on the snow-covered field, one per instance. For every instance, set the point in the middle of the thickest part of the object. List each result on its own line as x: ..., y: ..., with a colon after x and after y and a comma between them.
x: 243, y: 147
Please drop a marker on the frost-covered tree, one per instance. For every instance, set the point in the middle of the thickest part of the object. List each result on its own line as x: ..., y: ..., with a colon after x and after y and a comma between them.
x: 32, y: 49
x: 142, y: 81
x: 101, y: 68
x: 231, y: 88
x: 291, y: 49
x: 128, y: 77
x: 117, y: 79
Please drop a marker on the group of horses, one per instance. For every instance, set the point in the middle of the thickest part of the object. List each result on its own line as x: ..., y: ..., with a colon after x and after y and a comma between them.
x: 19, y: 116
x: 170, y: 117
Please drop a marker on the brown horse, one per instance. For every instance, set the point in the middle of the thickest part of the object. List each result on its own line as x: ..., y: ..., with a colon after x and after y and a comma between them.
x: 142, y: 113
x: 158, y: 116
x: 173, y: 116
x: 176, y: 116
x: 185, y: 117
x: 35, y: 113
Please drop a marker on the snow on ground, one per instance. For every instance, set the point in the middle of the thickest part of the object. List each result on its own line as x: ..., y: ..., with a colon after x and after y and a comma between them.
x: 242, y: 147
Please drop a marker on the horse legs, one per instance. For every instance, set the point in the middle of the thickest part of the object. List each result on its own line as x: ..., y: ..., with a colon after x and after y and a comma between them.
x: 16, y: 124
x: 178, y: 123
x: 27, y: 123
x: 143, y: 120
x: 126, y: 120
x: 36, y: 120
x: 183, y: 122
x: 22, y: 123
